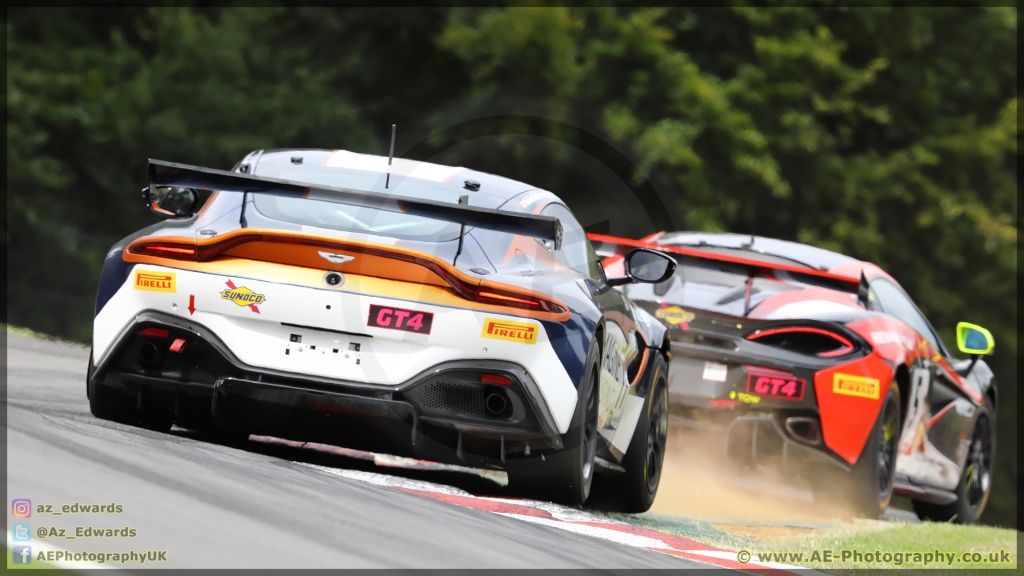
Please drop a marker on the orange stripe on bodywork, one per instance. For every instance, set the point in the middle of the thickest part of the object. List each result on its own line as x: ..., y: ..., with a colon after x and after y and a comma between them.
x: 300, y: 252
x: 454, y: 174
x: 643, y: 366
x: 363, y: 264
x: 532, y: 249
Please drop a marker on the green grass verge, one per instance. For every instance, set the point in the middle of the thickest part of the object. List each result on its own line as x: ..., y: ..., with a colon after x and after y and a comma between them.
x: 18, y: 330
x: 903, y: 546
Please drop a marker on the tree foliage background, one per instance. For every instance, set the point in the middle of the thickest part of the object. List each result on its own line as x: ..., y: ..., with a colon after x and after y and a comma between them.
x: 889, y: 134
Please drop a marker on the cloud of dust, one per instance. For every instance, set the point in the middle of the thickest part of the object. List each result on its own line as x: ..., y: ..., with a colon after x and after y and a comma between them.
x: 697, y: 481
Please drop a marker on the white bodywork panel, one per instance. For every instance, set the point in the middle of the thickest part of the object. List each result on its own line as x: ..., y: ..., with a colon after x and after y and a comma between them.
x: 389, y: 357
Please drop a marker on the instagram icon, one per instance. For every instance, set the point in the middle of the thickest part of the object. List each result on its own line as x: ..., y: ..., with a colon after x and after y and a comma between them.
x: 21, y: 508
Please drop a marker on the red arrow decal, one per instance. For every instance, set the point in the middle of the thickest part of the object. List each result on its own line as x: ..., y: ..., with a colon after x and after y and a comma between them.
x: 254, y: 308
x: 191, y: 304
x: 231, y: 284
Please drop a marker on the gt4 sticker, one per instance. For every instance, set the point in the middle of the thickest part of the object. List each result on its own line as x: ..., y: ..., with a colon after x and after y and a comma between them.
x: 786, y: 388
x: 400, y: 319
x: 155, y: 281
x: 522, y: 332
x: 851, y: 385
x: 674, y: 315
x: 243, y: 296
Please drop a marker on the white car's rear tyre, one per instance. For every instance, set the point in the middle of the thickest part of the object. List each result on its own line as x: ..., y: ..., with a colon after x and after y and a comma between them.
x: 634, y: 490
x: 110, y: 404
x: 566, y: 476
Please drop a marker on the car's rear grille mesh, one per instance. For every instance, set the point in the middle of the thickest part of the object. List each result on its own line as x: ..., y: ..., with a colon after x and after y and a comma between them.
x: 202, y: 360
x: 449, y: 397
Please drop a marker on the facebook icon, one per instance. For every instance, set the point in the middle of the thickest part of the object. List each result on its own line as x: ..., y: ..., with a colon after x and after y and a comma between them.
x: 21, y: 554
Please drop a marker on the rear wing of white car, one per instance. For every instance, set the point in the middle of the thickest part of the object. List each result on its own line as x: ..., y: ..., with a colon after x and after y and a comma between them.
x: 163, y: 173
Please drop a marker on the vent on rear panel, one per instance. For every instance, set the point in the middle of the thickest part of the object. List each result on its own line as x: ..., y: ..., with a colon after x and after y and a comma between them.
x: 805, y: 340
x: 449, y: 397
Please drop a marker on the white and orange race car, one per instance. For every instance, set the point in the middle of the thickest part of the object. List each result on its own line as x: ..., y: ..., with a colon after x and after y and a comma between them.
x: 400, y: 306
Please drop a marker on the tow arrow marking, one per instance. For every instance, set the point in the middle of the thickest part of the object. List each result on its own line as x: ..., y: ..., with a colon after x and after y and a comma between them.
x: 191, y: 304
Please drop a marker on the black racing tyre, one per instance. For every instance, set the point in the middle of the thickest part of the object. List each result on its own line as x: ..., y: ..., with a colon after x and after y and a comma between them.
x: 156, y: 420
x: 634, y: 490
x: 868, y: 486
x: 565, y: 476
x: 88, y: 374
x: 975, y: 482
x: 110, y: 404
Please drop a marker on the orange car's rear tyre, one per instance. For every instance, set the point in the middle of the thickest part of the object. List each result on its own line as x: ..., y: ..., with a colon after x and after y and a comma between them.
x: 975, y: 481
x: 868, y: 486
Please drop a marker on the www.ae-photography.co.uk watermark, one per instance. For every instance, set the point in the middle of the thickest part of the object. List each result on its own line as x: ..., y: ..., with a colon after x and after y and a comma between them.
x: 1000, y: 558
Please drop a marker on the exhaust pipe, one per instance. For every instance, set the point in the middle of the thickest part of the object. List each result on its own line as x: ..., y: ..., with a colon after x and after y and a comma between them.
x: 805, y: 430
x: 495, y: 403
x: 149, y: 355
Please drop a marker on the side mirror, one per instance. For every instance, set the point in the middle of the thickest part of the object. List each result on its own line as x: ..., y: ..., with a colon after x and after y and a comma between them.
x: 973, y: 339
x: 644, y: 265
x: 170, y: 201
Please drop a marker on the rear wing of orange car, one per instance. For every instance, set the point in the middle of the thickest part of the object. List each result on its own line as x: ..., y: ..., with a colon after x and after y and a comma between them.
x: 614, y: 247
x: 162, y: 173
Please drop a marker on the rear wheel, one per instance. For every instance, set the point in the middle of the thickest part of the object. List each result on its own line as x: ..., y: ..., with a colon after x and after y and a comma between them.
x: 110, y: 404
x: 975, y: 482
x: 868, y: 486
x: 634, y: 490
x: 567, y: 475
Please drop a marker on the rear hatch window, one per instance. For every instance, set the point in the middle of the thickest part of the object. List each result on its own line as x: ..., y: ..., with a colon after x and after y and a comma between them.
x: 350, y: 218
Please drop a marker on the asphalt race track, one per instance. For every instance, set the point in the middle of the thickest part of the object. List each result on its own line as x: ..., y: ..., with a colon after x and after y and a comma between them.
x: 258, y: 505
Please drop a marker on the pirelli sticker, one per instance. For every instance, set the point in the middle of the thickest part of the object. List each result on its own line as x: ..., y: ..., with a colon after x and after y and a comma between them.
x: 850, y: 385
x: 155, y: 281
x: 522, y: 332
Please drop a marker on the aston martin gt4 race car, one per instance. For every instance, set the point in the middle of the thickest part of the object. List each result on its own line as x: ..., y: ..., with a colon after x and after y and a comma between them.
x: 403, y: 307
x: 809, y: 361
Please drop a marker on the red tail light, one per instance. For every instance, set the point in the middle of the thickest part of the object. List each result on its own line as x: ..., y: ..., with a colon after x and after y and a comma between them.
x: 805, y: 340
x: 503, y: 298
x: 166, y: 250
x: 495, y: 379
x: 158, y: 332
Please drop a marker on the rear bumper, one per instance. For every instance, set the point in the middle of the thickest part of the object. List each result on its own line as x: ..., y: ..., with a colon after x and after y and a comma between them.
x: 443, y: 406
x: 324, y: 334
x: 711, y: 388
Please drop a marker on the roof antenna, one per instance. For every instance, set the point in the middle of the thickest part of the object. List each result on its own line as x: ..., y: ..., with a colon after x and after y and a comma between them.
x: 753, y: 226
x: 390, y: 155
x: 463, y: 199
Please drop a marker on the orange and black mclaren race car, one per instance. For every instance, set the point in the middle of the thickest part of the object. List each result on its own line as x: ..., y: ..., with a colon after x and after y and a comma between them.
x: 813, y: 362
x: 403, y: 307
